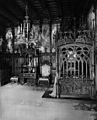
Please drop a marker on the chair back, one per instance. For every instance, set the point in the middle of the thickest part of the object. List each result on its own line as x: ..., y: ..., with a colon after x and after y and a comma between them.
x: 45, y: 70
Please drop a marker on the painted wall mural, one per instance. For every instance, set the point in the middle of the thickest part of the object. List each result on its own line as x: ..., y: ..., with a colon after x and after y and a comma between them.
x: 54, y: 31
x: 91, y: 18
x: 9, y: 38
x: 36, y: 38
x: 46, y: 37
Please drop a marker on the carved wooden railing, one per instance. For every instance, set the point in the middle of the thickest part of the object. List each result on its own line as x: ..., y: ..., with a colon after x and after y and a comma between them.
x: 75, y: 87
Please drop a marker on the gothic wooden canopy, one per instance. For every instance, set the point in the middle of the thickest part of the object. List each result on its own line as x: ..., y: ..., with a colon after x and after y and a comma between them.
x: 12, y: 12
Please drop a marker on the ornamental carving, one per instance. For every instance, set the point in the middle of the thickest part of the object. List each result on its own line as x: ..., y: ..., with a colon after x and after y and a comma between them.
x: 81, y: 37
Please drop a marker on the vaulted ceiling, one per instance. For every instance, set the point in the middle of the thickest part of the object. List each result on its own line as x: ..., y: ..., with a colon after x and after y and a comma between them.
x: 12, y: 12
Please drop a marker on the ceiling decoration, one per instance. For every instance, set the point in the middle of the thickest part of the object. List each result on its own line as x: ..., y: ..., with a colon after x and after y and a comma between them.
x: 12, y: 12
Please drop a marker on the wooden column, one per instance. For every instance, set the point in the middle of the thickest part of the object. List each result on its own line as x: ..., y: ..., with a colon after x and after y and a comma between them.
x: 57, y: 55
x: 4, y: 43
x: 50, y: 24
x: 95, y: 45
x: 13, y: 56
x: 57, y: 67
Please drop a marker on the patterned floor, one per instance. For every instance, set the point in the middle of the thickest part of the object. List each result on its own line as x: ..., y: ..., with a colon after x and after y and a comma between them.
x: 22, y: 102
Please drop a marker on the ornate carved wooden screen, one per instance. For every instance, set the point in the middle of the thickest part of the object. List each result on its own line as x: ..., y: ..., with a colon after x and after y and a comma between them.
x: 75, y: 61
x: 76, y: 67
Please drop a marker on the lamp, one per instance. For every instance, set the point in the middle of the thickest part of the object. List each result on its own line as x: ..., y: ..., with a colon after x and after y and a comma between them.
x: 26, y: 28
x: 22, y: 32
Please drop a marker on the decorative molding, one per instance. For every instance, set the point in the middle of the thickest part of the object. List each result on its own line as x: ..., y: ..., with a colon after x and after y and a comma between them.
x: 81, y: 37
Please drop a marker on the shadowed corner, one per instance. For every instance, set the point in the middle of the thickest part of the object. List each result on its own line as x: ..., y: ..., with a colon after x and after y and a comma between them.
x: 46, y: 94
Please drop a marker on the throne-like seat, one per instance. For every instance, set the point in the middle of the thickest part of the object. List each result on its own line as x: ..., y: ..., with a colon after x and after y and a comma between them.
x: 45, y: 74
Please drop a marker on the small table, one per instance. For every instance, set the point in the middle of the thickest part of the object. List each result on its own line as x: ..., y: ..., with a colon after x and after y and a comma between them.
x: 30, y: 78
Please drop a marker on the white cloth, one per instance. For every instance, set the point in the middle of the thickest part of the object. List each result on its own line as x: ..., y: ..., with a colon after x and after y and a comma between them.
x: 54, y: 93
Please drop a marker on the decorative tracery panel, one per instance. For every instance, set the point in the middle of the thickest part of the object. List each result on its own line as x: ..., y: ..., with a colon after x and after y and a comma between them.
x: 75, y: 69
x: 75, y: 61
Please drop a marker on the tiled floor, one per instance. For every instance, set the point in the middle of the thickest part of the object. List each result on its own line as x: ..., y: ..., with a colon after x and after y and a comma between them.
x: 19, y: 102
